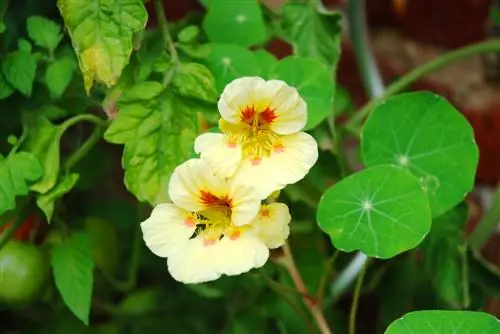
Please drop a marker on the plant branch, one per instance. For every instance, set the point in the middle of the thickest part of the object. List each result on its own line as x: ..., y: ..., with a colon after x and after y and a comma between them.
x: 353, y: 125
x: 162, y: 22
x: 84, y: 149
x: 326, y: 275
x: 489, y: 221
x: 312, y: 304
x: 355, y: 301
x: 84, y: 118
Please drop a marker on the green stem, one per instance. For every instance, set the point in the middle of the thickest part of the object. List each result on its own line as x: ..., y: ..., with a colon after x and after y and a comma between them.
x: 355, y: 301
x: 487, y: 224
x: 84, y: 149
x: 326, y: 274
x: 83, y: 118
x: 162, y: 22
x: 353, y: 125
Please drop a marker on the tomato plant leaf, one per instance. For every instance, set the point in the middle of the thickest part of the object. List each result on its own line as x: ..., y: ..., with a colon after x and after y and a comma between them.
x: 19, y: 69
x: 445, y: 322
x: 102, y: 35
x: 73, y: 273
x: 241, y: 25
x: 445, y: 256
x: 228, y: 62
x: 425, y: 134
x: 16, y: 173
x: 158, y: 129
x: 382, y: 211
x: 58, y: 75
x: 195, y: 81
x: 314, y: 82
x: 313, y: 32
x: 6, y: 89
x: 44, y: 32
x: 46, y: 202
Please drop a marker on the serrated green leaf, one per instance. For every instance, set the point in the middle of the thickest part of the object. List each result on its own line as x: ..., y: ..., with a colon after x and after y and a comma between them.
x: 445, y: 257
x: 424, y: 133
x: 46, y: 202
x: 73, y: 273
x: 158, y: 132
x: 228, y: 62
x: 16, y: 173
x: 266, y: 61
x: 189, y: 34
x: 23, y: 45
x: 240, y: 24
x: 102, y: 35
x: 382, y: 211
x: 314, y: 82
x: 44, y: 32
x: 43, y: 141
x: 195, y: 81
x: 6, y: 89
x: 58, y: 75
x: 313, y: 32
x: 19, y: 69
x: 445, y: 322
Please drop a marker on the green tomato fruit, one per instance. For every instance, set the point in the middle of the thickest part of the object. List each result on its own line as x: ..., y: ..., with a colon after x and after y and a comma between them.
x: 104, y: 244
x: 23, y: 273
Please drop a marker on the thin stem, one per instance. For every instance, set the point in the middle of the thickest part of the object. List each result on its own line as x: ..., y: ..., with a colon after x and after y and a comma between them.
x: 162, y: 22
x: 83, y: 118
x: 487, y: 224
x: 285, y: 288
x: 84, y: 149
x: 9, y: 232
x: 355, y: 301
x: 368, y: 69
x: 353, y: 125
x: 314, y: 307
x: 326, y: 274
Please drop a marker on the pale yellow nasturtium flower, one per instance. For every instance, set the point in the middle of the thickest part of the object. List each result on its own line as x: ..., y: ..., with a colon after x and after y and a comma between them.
x: 213, y: 227
x: 261, y: 143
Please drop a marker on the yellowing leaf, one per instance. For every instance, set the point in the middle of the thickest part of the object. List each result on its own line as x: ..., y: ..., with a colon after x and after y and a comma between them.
x: 102, y: 35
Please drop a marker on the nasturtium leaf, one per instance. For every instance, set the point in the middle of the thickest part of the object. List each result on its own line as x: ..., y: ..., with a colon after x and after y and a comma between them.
x: 43, y: 140
x: 382, y: 211
x: 158, y: 129
x: 102, y: 35
x: 445, y: 256
x: 19, y: 69
x: 314, y: 82
x: 6, y: 89
x: 445, y: 322
x: 194, y: 81
x: 241, y: 24
x: 425, y: 134
x: 44, y: 32
x: 73, y: 273
x: 313, y: 33
x: 58, y: 75
x: 228, y: 62
x: 266, y: 61
x: 17, y: 171
x: 46, y: 202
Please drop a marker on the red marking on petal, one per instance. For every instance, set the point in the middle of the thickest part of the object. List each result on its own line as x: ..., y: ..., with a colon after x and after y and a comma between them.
x: 247, y: 114
x: 235, y: 235
x: 231, y: 144
x: 255, y: 161
x: 279, y: 148
x: 210, y: 199
x: 268, y: 116
x: 265, y: 213
x: 208, y: 242
x: 190, y: 222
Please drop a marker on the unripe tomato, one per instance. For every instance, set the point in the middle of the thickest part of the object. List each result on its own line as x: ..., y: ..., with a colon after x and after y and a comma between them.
x: 23, y: 273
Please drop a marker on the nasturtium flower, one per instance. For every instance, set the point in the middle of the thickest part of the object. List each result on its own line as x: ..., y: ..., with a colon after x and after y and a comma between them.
x: 213, y: 226
x: 261, y: 143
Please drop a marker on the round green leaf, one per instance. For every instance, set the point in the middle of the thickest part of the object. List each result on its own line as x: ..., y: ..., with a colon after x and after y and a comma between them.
x: 266, y: 61
x: 445, y: 322
x: 228, y: 62
x: 427, y: 135
x: 382, y: 211
x: 240, y: 24
x: 314, y: 82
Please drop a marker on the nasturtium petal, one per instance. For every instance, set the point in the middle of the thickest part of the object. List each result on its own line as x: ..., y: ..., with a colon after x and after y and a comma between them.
x: 102, y: 35
x: 382, y: 211
x: 314, y: 82
x: 238, y: 23
x: 445, y: 322
x: 425, y: 134
x: 228, y: 62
